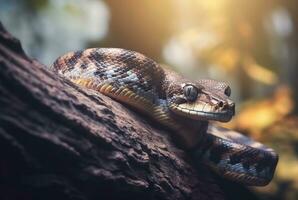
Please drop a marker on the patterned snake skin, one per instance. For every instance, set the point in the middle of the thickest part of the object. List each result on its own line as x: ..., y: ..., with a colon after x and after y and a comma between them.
x: 182, y: 105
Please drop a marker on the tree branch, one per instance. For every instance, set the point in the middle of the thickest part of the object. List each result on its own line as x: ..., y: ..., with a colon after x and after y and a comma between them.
x: 59, y: 140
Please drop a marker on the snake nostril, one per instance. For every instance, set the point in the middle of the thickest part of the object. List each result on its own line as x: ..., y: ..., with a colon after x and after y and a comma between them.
x: 220, y: 104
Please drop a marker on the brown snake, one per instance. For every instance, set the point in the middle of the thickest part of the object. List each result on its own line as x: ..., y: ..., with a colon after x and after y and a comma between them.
x: 180, y: 104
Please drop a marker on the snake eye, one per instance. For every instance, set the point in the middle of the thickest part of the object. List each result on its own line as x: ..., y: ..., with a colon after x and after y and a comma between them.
x: 228, y: 91
x: 190, y: 92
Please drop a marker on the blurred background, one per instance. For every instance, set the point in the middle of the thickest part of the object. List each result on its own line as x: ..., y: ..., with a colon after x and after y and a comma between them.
x: 252, y: 45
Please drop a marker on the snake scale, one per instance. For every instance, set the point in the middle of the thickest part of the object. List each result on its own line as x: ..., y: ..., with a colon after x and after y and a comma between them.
x: 184, y: 106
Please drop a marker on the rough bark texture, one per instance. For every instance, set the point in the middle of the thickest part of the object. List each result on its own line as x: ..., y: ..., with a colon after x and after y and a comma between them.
x: 58, y: 140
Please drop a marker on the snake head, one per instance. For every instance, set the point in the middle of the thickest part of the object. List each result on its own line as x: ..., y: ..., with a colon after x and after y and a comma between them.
x: 201, y: 100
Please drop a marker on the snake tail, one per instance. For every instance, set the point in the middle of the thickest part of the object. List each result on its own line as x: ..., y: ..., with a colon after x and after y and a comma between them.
x: 245, y: 161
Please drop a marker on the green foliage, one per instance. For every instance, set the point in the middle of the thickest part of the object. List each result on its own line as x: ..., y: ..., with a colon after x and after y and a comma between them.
x: 37, y: 4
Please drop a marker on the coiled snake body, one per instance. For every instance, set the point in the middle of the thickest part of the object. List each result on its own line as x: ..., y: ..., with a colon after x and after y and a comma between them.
x: 180, y: 104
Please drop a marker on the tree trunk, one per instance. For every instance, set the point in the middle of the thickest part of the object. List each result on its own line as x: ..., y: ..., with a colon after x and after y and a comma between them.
x: 59, y: 140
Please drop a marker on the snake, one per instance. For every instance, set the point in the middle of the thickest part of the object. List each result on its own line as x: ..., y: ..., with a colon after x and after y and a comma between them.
x: 186, y: 107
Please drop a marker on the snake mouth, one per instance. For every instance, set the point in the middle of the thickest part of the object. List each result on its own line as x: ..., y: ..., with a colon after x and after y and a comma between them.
x: 203, y: 112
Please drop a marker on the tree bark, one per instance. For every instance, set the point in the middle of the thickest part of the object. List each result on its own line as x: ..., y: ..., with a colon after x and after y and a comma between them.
x: 59, y: 140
